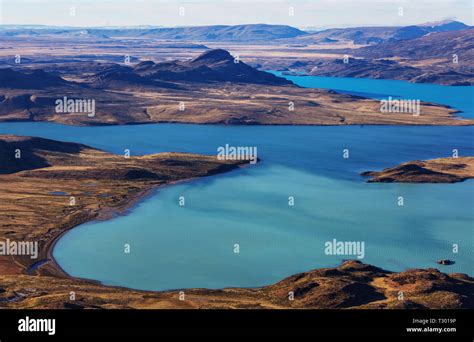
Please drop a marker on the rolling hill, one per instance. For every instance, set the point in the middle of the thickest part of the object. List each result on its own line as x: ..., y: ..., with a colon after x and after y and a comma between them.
x: 244, y: 33
x: 378, y: 35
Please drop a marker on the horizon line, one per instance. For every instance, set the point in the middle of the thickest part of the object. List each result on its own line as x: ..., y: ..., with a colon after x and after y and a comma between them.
x: 302, y: 28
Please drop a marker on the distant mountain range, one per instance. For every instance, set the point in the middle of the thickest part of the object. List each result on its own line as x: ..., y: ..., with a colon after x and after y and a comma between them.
x: 252, y: 32
x: 378, y: 35
x: 433, y: 45
x: 240, y: 33
x: 417, y: 53
x: 427, y: 59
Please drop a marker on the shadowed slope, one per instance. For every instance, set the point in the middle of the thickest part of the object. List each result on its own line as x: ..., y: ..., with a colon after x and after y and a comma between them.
x: 212, y: 66
x: 35, y: 79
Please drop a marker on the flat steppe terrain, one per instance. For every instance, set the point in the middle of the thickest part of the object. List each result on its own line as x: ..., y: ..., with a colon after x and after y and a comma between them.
x: 208, y: 89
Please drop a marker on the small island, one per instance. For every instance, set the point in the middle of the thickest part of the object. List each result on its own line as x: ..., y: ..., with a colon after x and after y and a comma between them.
x: 440, y: 170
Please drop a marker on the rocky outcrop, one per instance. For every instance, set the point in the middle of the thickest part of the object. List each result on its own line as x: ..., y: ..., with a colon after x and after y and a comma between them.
x: 212, y: 66
x: 352, y: 285
x: 442, y: 170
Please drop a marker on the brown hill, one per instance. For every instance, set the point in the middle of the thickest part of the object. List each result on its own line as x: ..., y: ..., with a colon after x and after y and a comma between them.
x: 209, y: 89
x: 442, y: 170
x: 242, y: 33
x: 211, y: 66
x: 25, y: 153
x: 351, y: 285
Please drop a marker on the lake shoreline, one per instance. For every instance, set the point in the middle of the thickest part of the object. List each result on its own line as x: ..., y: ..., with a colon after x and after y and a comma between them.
x: 343, y: 131
x: 127, y: 208
x: 108, y: 214
x: 454, y: 119
x: 250, y: 297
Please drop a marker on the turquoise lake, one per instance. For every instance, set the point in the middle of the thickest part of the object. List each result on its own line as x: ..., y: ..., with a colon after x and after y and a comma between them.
x: 175, y: 247
x: 459, y: 97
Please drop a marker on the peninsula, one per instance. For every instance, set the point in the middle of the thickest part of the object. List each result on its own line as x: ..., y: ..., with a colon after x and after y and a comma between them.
x: 212, y: 88
x: 50, y: 186
x: 440, y: 170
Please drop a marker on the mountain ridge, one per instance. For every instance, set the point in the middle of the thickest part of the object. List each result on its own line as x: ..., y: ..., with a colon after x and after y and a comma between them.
x: 245, y: 32
x: 216, y: 65
x: 374, y: 35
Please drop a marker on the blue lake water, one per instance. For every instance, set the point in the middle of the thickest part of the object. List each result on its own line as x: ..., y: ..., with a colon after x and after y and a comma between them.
x: 459, y: 97
x: 193, y: 246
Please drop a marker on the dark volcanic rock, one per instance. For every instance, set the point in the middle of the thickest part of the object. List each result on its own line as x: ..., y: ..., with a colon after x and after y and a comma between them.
x: 117, y: 75
x: 445, y: 262
x: 35, y: 79
x: 383, y: 69
x: 141, y: 174
x: 30, y: 150
x: 212, y: 66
